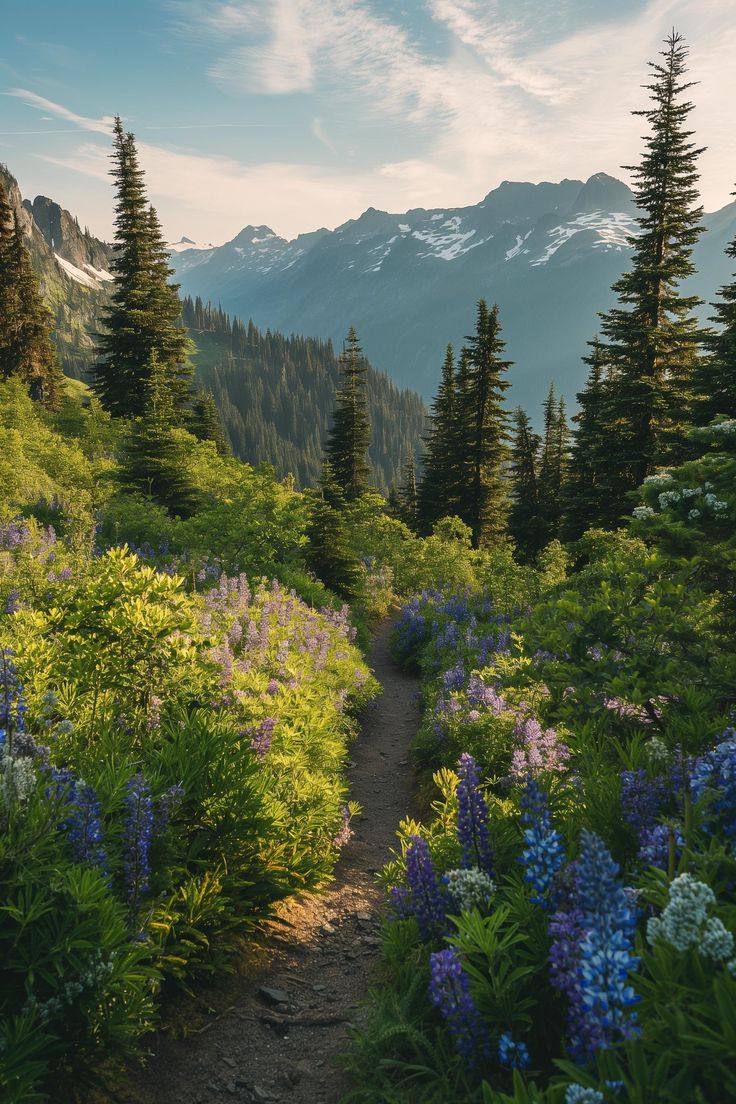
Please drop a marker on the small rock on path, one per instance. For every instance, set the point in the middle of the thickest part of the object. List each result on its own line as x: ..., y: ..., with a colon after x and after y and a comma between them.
x: 281, y: 1039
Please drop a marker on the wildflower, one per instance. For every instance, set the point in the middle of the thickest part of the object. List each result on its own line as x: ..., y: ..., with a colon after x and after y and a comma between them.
x: 714, y: 776
x: 512, y: 1054
x: 578, y: 1094
x: 262, y: 736
x: 138, y: 830
x: 454, y: 679
x: 544, y: 852
x: 642, y: 512
x: 684, y: 922
x: 449, y: 991
x: 536, y: 750
x: 426, y: 899
x: 345, y: 833
x: 471, y: 888
x: 472, y: 817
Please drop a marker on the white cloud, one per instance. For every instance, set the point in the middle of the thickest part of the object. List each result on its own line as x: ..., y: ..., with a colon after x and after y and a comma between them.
x: 100, y: 126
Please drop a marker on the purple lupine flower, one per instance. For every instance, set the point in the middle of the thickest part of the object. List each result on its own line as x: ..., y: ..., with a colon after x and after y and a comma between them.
x: 137, y: 835
x: 449, y: 991
x: 544, y: 851
x: 472, y: 817
x: 512, y: 1054
x: 642, y: 799
x: 81, y: 816
x: 427, y: 901
x: 12, y: 703
x: 714, y: 777
x: 12, y: 604
x: 537, y: 750
x: 454, y: 679
x: 262, y: 736
x: 399, y: 899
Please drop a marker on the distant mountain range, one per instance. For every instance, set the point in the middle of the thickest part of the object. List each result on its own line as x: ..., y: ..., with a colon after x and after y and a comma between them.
x: 546, y: 253
x: 275, y: 394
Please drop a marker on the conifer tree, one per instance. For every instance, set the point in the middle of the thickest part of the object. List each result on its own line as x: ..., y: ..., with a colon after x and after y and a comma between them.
x: 553, y: 465
x: 587, y: 492
x: 346, y: 450
x: 487, y: 421
x: 526, y: 525
x: 154, y: 458
x: 652, y: 335
x: 26, y: 349
x: 715, y: 378
x: 436, y: 492
x: 328, y: 552
x: 205, y: 421
x: 142, y: 321
x: 8, y: 287
x: 408, y: 494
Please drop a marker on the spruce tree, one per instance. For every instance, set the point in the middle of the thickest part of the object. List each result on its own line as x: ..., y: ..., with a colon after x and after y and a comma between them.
x: 26, y: 349
x: 437, y: 492
x: 526, y: 525
x: 553, y: 465
x: 142, y: 321
x: 715, y: 378
x: 346, y: 450
x: 205, y: 423
x: 328, y: 552
x: 652, y: 335
x: 408, y: 494
x: 8, y: 287
x: 587, y: 489
x: 154, y: 457
x: 487, y: 424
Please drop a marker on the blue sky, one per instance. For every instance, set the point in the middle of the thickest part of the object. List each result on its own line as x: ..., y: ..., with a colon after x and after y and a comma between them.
x: 302, y: 113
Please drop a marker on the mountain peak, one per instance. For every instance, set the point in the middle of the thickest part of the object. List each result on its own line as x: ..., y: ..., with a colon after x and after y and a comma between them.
x: 602, y: 192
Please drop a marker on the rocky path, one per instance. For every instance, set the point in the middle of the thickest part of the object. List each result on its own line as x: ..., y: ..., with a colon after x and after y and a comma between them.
x: 281, y: 1038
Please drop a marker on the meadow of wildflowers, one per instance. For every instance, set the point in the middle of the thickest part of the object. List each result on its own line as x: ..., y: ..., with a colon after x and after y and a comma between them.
x: 561, y: 927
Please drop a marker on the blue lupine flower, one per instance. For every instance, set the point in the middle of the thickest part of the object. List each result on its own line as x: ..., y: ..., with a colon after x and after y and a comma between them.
x: 544, y: 852
x: 81, y: 816
x: 427, y: 901
x: 472, y: 818
x: 606, y: 951
x: 449, y: 991
x: 454, y: 679
x: 512, y: 1054
x: 138, y: 832
x: 715, y: 775
x: 12, y: 702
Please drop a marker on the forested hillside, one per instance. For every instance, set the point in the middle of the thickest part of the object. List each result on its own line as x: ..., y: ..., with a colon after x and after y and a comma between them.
x: 274, y: 394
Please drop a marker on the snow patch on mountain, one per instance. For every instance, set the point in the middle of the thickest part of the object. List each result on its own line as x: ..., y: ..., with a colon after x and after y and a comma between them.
x: 90, y: 276
x: 517, y: 249
x: 613, y: 229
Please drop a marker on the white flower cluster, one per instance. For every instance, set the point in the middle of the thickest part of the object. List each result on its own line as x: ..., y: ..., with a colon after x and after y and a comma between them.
x: 661, y: 479
x: 471, y: 888
x: 17, y: 779
x: 717, y: 505
x: 642, y: 512
x: 658, y: 750
x: 93, y: 977
x: 667, y: 498
x: 685, y: 922
x: 726, y: 427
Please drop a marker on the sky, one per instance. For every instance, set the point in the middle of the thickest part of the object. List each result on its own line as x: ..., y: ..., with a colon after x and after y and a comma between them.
x: 298, y: 114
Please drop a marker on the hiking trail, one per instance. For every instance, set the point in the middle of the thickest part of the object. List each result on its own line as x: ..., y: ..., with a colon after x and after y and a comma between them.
x: 281, y: 1038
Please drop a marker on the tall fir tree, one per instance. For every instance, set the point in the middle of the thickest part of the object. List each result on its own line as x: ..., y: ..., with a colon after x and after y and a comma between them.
x: 8, y: 287
x: 526, y: 525
x: 487, y: 424
x: 652, y: 335
x: 437, y: 491
x: 586, y: 489
x: 346, y: 450
x: 154, y: 456
x: 715, y: 377
x: 408, y: 494
x: 205, y: 422
x: 553, y: 465
x: 26, y: 349
x: 142, y: 322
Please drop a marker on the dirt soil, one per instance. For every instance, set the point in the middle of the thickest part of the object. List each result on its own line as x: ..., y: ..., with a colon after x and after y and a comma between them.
x: 284, y: 1029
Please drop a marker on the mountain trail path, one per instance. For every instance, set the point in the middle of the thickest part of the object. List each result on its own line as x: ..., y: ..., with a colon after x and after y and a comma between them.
x: 286, y: 1024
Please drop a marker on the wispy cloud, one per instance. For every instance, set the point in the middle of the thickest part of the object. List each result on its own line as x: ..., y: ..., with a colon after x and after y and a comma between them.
x: 84, y: 122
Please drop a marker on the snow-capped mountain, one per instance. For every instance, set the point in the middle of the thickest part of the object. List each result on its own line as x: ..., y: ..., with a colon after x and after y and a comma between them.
x: 547, y: 253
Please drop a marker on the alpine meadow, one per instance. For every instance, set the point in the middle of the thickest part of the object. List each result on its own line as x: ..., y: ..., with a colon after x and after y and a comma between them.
x: 352, y: 750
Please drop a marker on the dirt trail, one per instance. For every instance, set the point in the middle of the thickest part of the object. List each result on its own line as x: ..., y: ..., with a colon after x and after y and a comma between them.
x: 319, y: 969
